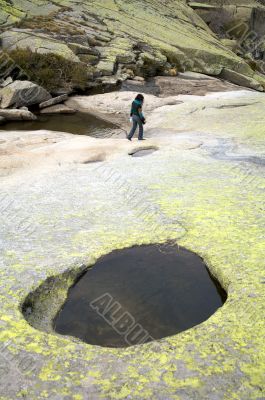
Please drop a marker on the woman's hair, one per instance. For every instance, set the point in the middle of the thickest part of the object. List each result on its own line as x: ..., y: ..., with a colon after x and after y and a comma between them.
x: 139, y: 97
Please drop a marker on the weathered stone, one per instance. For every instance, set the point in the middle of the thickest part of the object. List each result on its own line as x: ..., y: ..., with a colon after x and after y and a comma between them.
x: 110, y: 81
x: 184, y: 83
x: 53, y: 101
x: 149, y: 48
x: 58, y: 109
x: 194, y: 76
x: 139, y: 79
x: 17, y: 115
x: 80, y: 49
x: 23, y: 93
x: 89, y: 58
x: 240, y: 79
x: 231, y: 44
x: 6, y: 82
x: 39, y: 43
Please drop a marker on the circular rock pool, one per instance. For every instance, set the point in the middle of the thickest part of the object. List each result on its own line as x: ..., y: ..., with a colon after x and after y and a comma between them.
x: 139, y: 294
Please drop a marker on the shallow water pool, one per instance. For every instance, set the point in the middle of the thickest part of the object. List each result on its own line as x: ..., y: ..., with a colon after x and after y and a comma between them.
x: 78, y: 123
x: 139, y: 294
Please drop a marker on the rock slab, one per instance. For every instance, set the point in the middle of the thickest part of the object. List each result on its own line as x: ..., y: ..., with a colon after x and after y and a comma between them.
x: 58, y: 109
x: 23, y: 93
x: 240, y: 79
x: 53, y: 101
x: 17, y: 115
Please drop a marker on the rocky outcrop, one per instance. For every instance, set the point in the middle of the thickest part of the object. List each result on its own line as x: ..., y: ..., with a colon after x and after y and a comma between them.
x: 239, y: 24
x: 117, y: 40
x: 6, y: 82
x: 39, y: 43
x: 240, y: 79
x: 190, y: 83
x: 22, y: 93
x: 17, y: 115
x: 58, y: 109
x: 53, y: 101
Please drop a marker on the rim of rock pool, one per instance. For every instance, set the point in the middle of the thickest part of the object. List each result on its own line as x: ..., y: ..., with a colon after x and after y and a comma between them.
x: 143, y: 151
x: 132, y: 305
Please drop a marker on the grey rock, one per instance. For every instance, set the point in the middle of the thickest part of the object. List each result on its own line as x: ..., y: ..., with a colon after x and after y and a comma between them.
x: 60, y: 91
x: 138, y: 79
x: 17, y: 115
x: 58, y: 109
x: 241, y: 80
x: 193, y: 75
x: 53, y: 101
x: 6, y: 82
x: 23, y: 93
x: 36, y: 42
x: 135, y: 82
x: 81, y: 49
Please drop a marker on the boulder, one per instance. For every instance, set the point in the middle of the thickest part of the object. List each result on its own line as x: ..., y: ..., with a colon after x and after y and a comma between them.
x: 231, y: 44
x: 24, y: 39
x: 80, y: 49
x: 17, y: 115
x: 6, y: 82
x: 241, y: 80
x: 23, y: 93
x: 58, y: 109
x: 194, y: 76
x: 139, y: 79
x: 53, y: 101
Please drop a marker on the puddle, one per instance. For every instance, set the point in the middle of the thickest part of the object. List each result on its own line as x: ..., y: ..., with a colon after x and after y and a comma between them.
x: 143, y: 152
x: 139, y: 294
x: 78, y: 123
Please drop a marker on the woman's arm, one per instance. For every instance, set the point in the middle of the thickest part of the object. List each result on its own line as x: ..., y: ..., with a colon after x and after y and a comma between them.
x: 141, y: 115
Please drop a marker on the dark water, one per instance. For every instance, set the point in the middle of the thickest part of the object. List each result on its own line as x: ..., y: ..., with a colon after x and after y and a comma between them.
x: 135, y: 295
x: 142, y: 153
x: 78, y: 123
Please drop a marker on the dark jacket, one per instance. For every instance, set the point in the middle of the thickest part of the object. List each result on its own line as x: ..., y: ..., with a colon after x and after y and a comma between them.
x: 136, y: 109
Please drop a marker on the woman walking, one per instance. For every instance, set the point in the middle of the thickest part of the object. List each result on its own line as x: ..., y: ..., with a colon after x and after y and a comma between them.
x: 137, y: 117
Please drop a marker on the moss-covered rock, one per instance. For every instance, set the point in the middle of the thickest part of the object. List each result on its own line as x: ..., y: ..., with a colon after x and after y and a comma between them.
x: 62, y: 219
x: 152, y: 36
x: 50, y: 70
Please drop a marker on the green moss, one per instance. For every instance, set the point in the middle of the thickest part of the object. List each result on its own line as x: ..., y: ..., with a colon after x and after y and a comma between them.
x: 50, y: 70
x: 50, y: 24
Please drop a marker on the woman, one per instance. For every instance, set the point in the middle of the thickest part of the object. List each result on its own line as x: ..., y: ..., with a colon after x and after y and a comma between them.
x: 137, y: 117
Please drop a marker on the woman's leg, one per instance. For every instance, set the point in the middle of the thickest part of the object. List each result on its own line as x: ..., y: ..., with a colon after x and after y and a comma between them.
x: 141, y: 130
x: 132, y: 132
